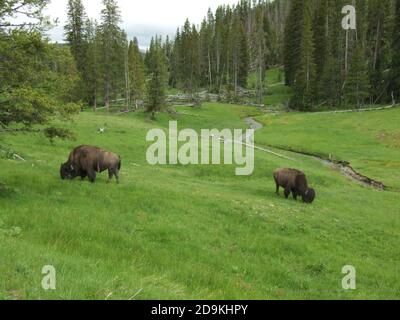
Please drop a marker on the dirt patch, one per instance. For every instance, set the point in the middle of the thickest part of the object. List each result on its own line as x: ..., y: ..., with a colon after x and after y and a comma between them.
x: 390, y: 138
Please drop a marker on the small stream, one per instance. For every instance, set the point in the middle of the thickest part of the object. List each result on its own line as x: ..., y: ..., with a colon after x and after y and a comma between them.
x: 342, y: 166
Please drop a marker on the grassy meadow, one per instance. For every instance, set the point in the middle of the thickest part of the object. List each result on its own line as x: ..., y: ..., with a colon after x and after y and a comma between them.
x: 277, y: 95
x: 198, y: 232
x: 370, y: 141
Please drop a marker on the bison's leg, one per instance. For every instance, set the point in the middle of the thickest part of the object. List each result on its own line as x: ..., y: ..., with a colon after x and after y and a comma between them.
x: 294, y: 194
x: 277, y: 189
x: 116, y: 174
x: 113, y: 172
x: 287, y: 192
x: 277, y: 185
x: 83, y: 174
x: 92, y: 176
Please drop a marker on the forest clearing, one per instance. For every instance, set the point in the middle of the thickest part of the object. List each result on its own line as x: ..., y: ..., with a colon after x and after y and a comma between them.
x: 192, y: 232
x: 312, y: 91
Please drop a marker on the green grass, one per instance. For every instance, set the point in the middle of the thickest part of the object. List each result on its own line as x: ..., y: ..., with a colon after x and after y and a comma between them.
x: 174, y: 91
x: 191, y: 232
x: 277, y: 95
x: 368, y: 140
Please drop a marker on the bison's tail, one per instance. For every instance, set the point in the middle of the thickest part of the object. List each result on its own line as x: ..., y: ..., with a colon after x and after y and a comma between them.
x: 119, y: 164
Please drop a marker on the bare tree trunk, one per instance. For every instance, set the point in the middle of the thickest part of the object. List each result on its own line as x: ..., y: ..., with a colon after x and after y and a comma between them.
x: 95, y: 101
x: 127, y: 84
x: 107, y: 95
x: 209, y: 69
x: 377, y: 43
x: 218, y: 64
x: 260, y: 74
x: 227, y: 69
x: 354, y: 5
x: 346, y: 63
x: 236, y: 75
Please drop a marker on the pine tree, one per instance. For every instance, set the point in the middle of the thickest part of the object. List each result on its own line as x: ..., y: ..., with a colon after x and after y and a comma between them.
x: 37, y: 80
x: 195, y: 60
x: 320, y: 36
x: 218, y: 45
x: 30, y: 9
x: 127, y: 76
x: 175, y: 61
x: 395, y: 60
x: 75, y: 31
x: 329, y: 86
x: 168, y: 53
x: 273, y: 50
x: 189, y: 55
x: 75, y: 36
x: 258, y: 52
x: 93, y: 61
x: 379, y: 47
x: 238, y: 52
x: 112, y: 49
x: 244, y: 57
x: 292, y: 41
x: 227, y: 67
x: 333, y: 76
x: 206, y: 51
x: 136, y: 72
x: 304, y: 85
x: 156, y: 86
x: 357, y: 84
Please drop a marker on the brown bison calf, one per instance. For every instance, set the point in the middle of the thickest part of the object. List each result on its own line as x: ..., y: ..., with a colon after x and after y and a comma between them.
x: 86, y: 161
x: 295, y: 182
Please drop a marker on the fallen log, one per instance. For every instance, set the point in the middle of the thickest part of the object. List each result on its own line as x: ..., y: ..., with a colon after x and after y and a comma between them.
x: 356, y: 110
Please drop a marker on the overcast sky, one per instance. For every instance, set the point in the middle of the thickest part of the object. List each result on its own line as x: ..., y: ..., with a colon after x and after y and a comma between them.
x: 141, y: 18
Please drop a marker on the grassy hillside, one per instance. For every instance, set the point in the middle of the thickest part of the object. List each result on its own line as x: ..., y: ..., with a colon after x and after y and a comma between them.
x: 277, y: 95
x: 190, y: 232
x: 370, y: 141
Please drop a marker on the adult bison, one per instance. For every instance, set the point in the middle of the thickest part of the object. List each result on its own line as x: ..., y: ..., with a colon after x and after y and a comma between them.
x: 295, y: 182
x: 86, y: 161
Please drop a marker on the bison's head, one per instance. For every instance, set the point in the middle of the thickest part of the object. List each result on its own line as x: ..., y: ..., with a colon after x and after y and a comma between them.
x: 67, y: 172
x: 309, y: 196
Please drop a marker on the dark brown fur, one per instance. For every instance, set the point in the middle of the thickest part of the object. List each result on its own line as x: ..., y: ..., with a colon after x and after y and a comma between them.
x: 295, y: 182
x: 86, y: 161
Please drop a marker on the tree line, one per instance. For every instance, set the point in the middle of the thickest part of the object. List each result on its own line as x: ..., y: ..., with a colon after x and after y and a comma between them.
x: 329, y: 66
x: 38, y: 80
x: 228, y: 45
x: 326, y: 65
x: 111, y: 67
x: 217, y: 55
